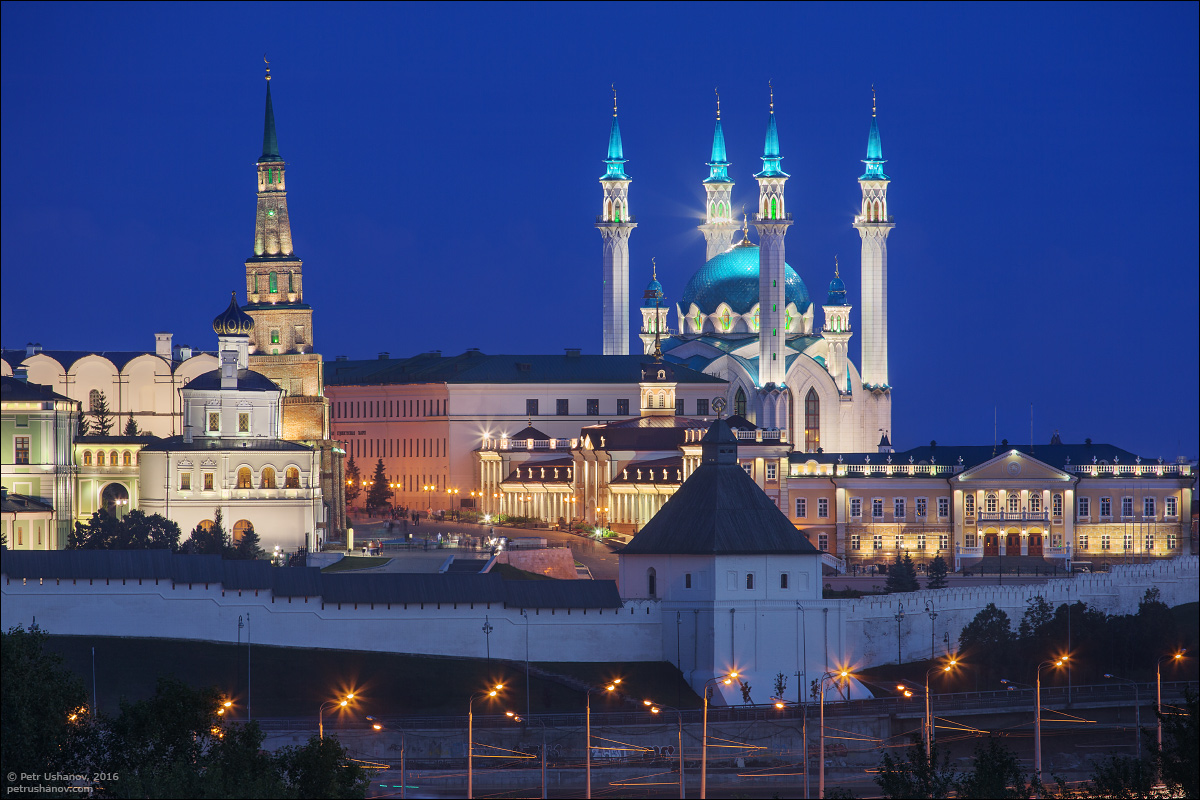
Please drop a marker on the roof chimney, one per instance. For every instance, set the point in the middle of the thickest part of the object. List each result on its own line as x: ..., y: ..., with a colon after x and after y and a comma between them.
x: 162, y: 345
x: 229, y: 369
x: 187, y: 434
x: 22, y: 374
x: 384, y: 356
x: 32, y: 349
x: 573, y: 352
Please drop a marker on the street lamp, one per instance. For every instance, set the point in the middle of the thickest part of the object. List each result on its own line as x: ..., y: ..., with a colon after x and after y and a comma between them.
x: 843, y: 674
x: 656, y: 708
x: 727, y: 680
x: 471, y: 735
x: 899, y: 642
x: 379, y: 726
x: 450, y: 500
x: 780, y: 703
x: 516, y: 718
x: 929, y: 609
x: 1037, y: 712
x: 1137, y: 711
x: 345, y: 701
x: 929, y: 728
x: 1173, y: 658
x: 612, y: 687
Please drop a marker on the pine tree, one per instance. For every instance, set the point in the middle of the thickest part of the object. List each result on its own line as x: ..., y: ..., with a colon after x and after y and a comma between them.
x: 131, y: 427
x: 911, y: 584
x: 103, y: 419
x: 937, y: 573
x: 895, y: 580
x: 211, y: 541
x: 378, y: 495
x: 83, y: 426
x: 353, y: 481
x: 248, y: 547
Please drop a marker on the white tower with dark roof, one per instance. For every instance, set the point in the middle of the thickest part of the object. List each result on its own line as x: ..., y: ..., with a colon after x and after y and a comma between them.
x: 718, y: 224
x: 615, y: 224
x: 873, y: 224
x: 772, y: 222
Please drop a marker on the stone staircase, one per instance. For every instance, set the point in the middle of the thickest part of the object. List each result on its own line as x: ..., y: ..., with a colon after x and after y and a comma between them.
x: 1015, y: 565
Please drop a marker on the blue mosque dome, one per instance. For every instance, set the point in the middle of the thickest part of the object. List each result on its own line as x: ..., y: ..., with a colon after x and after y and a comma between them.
x: 732, y: 277
x: 653, y: 290
x: 837, y: 292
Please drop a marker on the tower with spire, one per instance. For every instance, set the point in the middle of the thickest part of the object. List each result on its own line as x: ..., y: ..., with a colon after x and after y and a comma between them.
x: 873, y: 224
x: 837, y: 331
x: 718, y: 224
x: 654, y: 313
x: 772, y: 221
x: 615, y: 224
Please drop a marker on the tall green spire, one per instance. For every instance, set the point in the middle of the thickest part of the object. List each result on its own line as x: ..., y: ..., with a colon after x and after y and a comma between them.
x: 874, y: 159
x: 771, y: 156
x: 270, y: 142
x: 616, y: 152
x: 718, y: 171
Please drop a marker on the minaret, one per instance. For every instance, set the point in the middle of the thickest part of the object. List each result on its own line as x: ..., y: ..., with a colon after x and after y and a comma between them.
x: 837, y: 331
x: 274, y: 280
x: 615, y: 224
x: 718, y: 224
x: 654, y: 312
x: 772, y: 221
x: 874, y: 224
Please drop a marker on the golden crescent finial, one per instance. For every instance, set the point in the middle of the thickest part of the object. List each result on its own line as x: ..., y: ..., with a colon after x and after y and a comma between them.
x: 614, y: 88
x: 653, y: 268
x: 872, y: 99
x: 836, y: 273
x: 268, y: 63
x: 717, y: 91
x: 772, y: 88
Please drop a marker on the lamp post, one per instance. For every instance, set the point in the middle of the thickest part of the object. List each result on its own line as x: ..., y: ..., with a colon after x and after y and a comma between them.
x: 471, y: 735
x: 516, y: 718
x: 379, y: 726
x: 843, y: 674
x: 780, y: 703
x: 1174, y: 657
x: 656, y: 708
x: 930, y: 610
x: 612, y: 687
x: 345, y: 701
x: 929, y: 726
x: 727, y: 680
x: 1037, y: 712
x: 450, y: 500
x: 1137, y: 711
x: 899, y: 617
x: 526, y: 616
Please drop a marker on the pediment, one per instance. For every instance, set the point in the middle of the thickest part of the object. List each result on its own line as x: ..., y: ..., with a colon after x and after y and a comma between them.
x: 1013, y: 465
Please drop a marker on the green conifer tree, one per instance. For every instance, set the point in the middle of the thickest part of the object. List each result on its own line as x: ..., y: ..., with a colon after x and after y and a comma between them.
x: 938, y: 570
x: 102, y: 418
x: 353, y: 481
x: 377, y: 496
x: 131, y: 427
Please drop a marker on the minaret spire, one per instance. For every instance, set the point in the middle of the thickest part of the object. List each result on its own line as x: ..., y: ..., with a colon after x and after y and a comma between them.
x: 270, y: 141
x: 718, y: 224
x: 615, y: 225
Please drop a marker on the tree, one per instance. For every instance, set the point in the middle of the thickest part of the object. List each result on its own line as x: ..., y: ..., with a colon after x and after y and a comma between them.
x: 745, y: 687
x: 988, y: 638
x: 209, y: 541
x: 917, y: 774
x: 1122, y: 778
x: 102, y: 418
x: 248, y: 547
x: 131, y: 427
x: 83, y: 426
x: 1179, y: 760
x: 1034, y: 630
x: 40, y: 697
x: 321, y: 768
x: 780, y: 685
x: 902, y: 575
x: 996, y: 773
x: 938, y: 571
x: 134, y: 531
x: 378, y: 494
x: 910, y: 574
x: 353, y: 481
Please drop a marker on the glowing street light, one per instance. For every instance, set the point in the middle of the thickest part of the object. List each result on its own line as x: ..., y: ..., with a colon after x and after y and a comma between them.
x: 655, y: 708
x: 828, y: 676
x: 727, y: 680
x: 379, y: 726
x: 518, y: 718
x: 471, y: 735
x: 611, y: 687
x: 1174, y: 658
x: 342, y: 703
x: 1037, y: 711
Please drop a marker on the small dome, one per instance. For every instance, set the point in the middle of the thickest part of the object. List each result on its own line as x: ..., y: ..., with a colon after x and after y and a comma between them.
x: 837, y: 292
x: 233, y: 321
x: 654, y: 291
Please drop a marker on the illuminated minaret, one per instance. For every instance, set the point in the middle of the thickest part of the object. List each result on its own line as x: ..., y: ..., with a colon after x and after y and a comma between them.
x: 837, y: 331
x: 874, y: 224
x: 654, y: 313
x: 718, y: 224
x: 615, y: 224
x: 772, y: 221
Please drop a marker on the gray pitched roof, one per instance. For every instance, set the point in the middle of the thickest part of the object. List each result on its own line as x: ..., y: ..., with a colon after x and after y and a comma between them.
x: 15, y: 390
x: 719, y: 510
x: 247, y: 381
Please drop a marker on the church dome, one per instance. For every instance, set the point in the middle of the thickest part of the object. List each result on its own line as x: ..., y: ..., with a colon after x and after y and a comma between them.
x: 732, y: 277
x: 233, y: 321
x: 837, y: 292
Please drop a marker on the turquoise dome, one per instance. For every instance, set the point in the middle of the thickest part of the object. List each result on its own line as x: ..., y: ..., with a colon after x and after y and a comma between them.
x: 837, y: 292
x: 653, y: 290
x: 732, y: 277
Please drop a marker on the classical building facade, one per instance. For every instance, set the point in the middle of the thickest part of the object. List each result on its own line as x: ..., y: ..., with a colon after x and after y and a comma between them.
x: 36, y: 428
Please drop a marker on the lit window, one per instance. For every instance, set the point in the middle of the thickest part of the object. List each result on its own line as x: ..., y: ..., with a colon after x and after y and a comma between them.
x: 877, y: 541
x: 208, y: 481
x: 243, y: 422
x: 274, y: 337
x: 622, y: 408
x: 943, y: 507
x: 214, y: 421
x: 273, y: 283
x: 1105, y: 506
x: 1035, y: 502
x: 1148, y: 509
x: 969, y: 505
x: 1057, y: 504
x: 291, y: 479
x: 877, y: 508
x: 1083, y: 541
x: 921, y: 506
x: 185, y: 481
x: 243, y: 479
x: 268, y: 478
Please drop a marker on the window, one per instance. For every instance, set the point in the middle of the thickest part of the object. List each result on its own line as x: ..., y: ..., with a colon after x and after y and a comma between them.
x: 801, y: 508
x: 20, y: 449
x: 185, y: 481
x: 823, y: 542
x: 877, y: 541
x: 95, y: 400
x: 1149, y: 542
x: 1035, y: 502
x: 771, y: 470
x: 1014, y: 502
x: 1172, y: 507
x: 991, y: 503
x: 783, y: 580
x: 531, y: 408
x: 243, y: 480
x: 623, y: 408
x: 739, y: 403
x: 1171, y: 541
x: 855, y: 541
x: 87, y: 458
x: 943, y: 507
x: 291, y: 282
x: 1056, y: 504
x: 702, y: 408
x: 855, y: 507
x: 877, y: 508
x: 273, y: 283
x: 22, y: 421
x: 969, y: 540
x: 899, y: 541
x: 274, y: 337
x: 1148, y: 509
x: 899, y: 507
x: 687, y: 580
x: 112, y: 458
x: 1127, y: 507
x: 240, y: 528
x: 679, y: 407
x: 127, y: 459
x: 969, y: 505
x: 1105, y: 541
x: 214, y: 421
x: 651, y: 582
x: 812, y: 422
x: 823, y: 508
x: 920, y: 541
x: 208, y: 481
x: 593, y: 408
x: 1105, y: 507
x: 1085, y: 505
x: 243, y: 422
x: 748, y: 466
x: 1083, y: 541
x: 291, y: 478
x: 749, y: 580
x: 562, y: 407
x: 921, y: 506
x: 944, y: 541
x: 99, y: 458
x: 1128, y: 542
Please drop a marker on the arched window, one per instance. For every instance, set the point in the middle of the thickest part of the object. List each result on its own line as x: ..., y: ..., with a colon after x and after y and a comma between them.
x: 240, y: 528
x: 739, y: 403
x: 127, y: 459
x: 618, y: 214
x: 774, y: 209
x: 268, y: 478
x: 291, y: 478
x: 783, y: 580
x: 749, y: 580
x: 991, y: 503
x: 652, y: 582
x: 1014, y: 502
x: 712, y: 209
x: 244, y: 481
x: 87, y: 458
x: 273, y: 283
x: 99, y: 458
x: 112, y: 458
x: 206, y: 525
x: 95, y: 398
x: 812, y: 421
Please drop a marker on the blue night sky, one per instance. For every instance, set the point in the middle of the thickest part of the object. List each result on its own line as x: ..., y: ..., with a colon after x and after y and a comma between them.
x: 444, y: 163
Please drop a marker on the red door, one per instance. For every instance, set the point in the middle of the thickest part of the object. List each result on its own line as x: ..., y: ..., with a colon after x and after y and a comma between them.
x: 991, y: 544
x: 1035, y: 544
x: 1012, y: 545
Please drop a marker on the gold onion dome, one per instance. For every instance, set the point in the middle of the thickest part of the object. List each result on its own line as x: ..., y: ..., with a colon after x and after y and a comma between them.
x: 233, y: 321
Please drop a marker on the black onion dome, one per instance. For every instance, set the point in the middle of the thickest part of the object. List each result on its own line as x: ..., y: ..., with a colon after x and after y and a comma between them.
x: 233, y: 321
